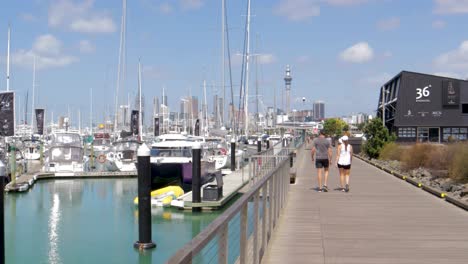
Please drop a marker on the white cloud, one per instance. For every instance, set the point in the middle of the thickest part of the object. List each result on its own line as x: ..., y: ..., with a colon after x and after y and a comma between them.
x: 389, y: 24
x: 377, y: 79
x: 191, y: 4
x: 266, y: 59
x: 47, y: 45
x: 93, y: 25
x: 303, y: 59
x: 387, y: 54
x: 451, y: 6
x: 346, y: 2
x: 79, y: 17
x: 297, y: 10
x: 165, y: 8
x: 47, y: 50
x: 449, y: 74
x: 455, y: 60
x: 27, y: 17
x: 86, y: 46
x: 438, y: 24
x: 358, y: 53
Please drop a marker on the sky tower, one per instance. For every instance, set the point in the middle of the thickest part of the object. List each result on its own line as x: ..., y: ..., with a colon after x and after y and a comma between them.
x: 287, y: 82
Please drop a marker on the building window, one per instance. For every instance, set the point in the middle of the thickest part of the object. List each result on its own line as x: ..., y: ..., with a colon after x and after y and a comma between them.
x: 464, y: 108
x: 406, y: 132
x: 455, y: 134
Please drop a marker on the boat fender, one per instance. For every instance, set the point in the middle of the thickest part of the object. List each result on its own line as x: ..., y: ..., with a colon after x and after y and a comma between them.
x: 102, y: 158
x: 31, y: 182
x: 23, y: 187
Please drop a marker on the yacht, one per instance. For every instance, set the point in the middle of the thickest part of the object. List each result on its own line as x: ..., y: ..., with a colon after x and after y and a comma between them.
x: 65, y: 153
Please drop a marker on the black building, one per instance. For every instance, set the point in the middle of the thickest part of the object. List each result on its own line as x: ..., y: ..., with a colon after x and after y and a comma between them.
x: 425, y: 108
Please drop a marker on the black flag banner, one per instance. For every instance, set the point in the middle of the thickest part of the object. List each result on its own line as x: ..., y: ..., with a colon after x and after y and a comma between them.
x: 7, y: 114
x: 156, y: 126
x: 134, y: 122
x: 40, y: 121
x: 197, y: 128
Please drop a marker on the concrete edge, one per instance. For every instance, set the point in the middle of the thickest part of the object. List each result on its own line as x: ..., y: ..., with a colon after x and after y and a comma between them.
x: 420, y: 185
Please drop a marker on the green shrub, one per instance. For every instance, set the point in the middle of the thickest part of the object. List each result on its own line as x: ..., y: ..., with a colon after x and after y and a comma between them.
x: 377, y: 136
x: 458, y: 168
x: 391, y: 151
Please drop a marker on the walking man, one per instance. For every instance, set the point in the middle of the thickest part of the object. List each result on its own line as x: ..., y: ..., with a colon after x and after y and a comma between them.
x: 322, y: 152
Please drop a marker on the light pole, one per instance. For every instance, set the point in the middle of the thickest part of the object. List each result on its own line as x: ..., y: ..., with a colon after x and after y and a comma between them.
x: 294, y: 117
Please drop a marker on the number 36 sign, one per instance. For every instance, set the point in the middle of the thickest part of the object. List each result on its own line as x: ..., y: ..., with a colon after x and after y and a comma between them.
x: 422, y: 94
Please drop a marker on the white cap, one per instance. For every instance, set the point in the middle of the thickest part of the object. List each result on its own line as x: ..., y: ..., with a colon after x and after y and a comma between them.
x: 344, y: 138
x: 196, y: 145
x: 143, y: 150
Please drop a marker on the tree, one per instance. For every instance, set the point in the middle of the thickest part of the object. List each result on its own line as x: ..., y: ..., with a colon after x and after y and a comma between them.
x: 377, y: 136
x: 334, y: 126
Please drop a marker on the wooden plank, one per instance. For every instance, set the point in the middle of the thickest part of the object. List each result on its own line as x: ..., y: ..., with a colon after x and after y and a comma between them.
x: 381, y: 220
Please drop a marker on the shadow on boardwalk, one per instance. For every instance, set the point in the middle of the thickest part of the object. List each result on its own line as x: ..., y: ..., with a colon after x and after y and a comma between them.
x: 381, y: 220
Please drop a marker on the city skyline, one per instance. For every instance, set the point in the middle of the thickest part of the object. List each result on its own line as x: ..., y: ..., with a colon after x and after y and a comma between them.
x: 334, y: 59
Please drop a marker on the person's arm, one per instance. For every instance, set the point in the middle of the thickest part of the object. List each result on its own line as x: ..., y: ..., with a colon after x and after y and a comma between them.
x: 351, y: 153
x: 338, y: 150
x: 312, y: 153
x: 330, y: 154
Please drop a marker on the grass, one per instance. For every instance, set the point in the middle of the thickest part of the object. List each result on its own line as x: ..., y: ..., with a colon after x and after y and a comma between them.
x: 391, y: 151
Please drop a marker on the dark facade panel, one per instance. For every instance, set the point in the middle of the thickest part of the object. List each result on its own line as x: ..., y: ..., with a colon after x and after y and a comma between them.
x: 427, y: 100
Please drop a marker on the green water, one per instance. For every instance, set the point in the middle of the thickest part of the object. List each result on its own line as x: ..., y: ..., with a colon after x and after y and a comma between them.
x: 90, y: 221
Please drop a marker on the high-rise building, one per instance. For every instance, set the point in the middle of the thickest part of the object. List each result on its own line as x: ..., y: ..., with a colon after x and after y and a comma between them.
x: 319, y: 110
x: 194, y: 107
x: 287, y: 82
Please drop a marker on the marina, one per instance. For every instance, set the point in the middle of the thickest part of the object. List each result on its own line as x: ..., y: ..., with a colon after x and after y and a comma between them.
x: 198, y: 131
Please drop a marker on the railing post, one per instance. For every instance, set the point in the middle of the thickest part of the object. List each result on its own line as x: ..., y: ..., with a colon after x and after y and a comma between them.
x: 255, y: 229
x: 223, y: 245
x: 2, y: 212
x: 264, y: 206
x: 233, y: 154
x: 243, y: 234
x: 270, y: 207
x: 196, y: 176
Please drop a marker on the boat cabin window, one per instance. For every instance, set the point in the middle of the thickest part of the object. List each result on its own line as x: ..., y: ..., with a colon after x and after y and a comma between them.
x: 171, y: 152
x: 66, y: 138
x: 101, y: 142
x: 66, y: 154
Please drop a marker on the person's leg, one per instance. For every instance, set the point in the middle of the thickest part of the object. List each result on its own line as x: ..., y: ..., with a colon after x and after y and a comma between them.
x: 347, y: 172
x: 325, y: 182
x: 319, y: 178
x: 342, y: 178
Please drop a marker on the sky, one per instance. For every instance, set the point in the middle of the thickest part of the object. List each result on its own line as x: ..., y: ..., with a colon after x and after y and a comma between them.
x: 340, y: 51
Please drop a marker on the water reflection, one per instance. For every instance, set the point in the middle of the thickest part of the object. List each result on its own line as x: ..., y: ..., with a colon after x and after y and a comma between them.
x: 53, y: 230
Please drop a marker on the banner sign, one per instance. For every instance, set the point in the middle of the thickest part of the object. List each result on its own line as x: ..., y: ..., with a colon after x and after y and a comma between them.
x: 7, y: 114
x: 156, y: 126
x: 197, y: 128
x: 450, y: 93
x: 134, y: 122
x: 40, y: 121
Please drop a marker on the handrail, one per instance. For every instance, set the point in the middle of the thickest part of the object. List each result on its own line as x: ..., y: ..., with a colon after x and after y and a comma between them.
x: 269, y: 185
x: 184, y: 255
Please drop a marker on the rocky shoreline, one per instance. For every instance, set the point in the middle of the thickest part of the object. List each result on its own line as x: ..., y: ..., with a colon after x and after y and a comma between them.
x: 438, y: 180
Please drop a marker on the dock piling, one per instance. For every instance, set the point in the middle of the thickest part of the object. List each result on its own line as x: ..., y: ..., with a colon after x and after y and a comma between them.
x: 2, y: 212
x: 144, y: 200
x: 259, y: 145
x: 196, y: 176
x: 233, y: 155
x: 267, y: 144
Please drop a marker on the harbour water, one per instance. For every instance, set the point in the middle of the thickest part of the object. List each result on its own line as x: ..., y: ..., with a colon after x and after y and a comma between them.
x: 91, y: 221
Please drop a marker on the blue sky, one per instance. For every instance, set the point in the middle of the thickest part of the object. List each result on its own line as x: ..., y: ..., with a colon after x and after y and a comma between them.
x: 340, y: 51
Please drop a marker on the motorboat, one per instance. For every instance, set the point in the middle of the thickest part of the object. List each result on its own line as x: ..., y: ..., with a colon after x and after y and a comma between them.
x: 65, y: 153
x: 125, y: 151
x: 171, y: 164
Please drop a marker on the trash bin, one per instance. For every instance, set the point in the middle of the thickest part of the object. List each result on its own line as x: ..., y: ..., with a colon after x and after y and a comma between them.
x: 214, y: 192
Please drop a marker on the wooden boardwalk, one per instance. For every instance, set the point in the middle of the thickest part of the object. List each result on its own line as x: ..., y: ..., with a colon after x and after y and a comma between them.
x: 381, y: 220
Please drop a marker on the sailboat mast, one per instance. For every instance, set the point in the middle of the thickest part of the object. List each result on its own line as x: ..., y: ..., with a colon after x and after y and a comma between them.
x: 33, y: 90
x: 140, y: 120
x: 247, y: 59
x: 205, y: 108
x: 91, y: 110
x: 120, y: 71
x: 8, y: 61
x: 223, y: 120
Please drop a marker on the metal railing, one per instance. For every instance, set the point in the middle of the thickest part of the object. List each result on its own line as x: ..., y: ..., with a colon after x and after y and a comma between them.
x: 241, y: 234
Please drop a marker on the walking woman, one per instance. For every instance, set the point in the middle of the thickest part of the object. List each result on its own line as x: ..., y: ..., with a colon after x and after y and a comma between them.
x: 344, y: 154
